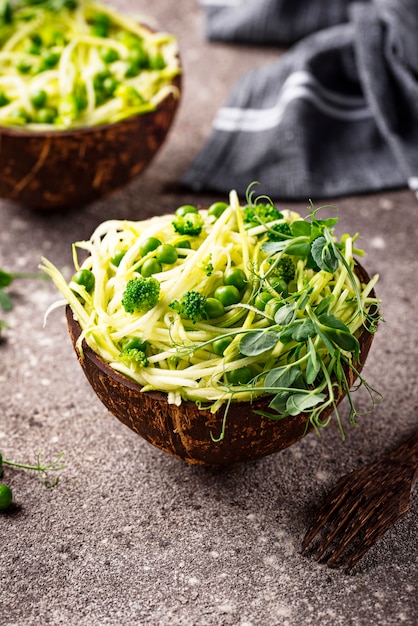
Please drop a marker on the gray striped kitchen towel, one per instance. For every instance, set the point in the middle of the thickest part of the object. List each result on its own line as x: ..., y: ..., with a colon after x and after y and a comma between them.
x: 280, y: 22
x: 337, y: 114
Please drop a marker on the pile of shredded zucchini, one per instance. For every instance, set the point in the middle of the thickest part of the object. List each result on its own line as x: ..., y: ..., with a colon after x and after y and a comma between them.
x: 290, y: 337
x: 75, y: 63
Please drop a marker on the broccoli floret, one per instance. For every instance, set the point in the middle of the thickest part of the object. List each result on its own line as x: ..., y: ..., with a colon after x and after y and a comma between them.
x: 278, y: 232
x: 141, y: 294
x: 191, y: 306
x: 188, y: 224
x: 134, y: 355
x: 285, y: 269
x: 207, y: 265
x: 255, y: 214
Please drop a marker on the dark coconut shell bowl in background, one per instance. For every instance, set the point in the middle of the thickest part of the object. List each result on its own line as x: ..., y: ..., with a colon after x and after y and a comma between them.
x: 185, y: 431
x: 70, y: 168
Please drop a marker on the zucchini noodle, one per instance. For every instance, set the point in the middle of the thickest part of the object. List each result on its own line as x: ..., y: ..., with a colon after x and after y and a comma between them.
x: 81, y: 64
x: 310, y: 320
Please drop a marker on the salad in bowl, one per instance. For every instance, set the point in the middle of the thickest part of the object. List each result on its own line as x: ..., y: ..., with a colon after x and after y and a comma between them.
x: 228, y: 313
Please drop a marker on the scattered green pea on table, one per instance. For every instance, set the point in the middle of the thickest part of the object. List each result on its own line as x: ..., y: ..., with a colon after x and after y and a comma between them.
x: 6, y: 497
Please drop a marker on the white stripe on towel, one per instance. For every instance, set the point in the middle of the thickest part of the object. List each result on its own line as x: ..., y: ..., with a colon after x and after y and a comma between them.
x: 299, y: 85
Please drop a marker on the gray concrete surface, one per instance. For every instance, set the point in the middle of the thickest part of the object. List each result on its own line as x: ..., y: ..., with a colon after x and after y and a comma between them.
x: 132, y: 536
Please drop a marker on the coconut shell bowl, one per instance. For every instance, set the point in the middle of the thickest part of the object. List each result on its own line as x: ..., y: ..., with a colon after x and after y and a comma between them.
x: 69, y: 168
x: 62, y: 146
x: 187, y: 432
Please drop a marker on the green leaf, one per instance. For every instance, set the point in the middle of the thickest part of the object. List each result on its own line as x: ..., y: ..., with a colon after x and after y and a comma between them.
x: 272, y: 247
x: 339, y: 372
x: 300, y: 228
x: 339, y: 333
x: 5, y: 278
x: 324, y: 255
x: 305, y: 330
x: 299, y: 402
x: 6, y: 14
x: 281, y: 377
x: 285, y: 314
x: 346, y: 342
x: 333, y: 322
x: 5, y: 301
x: 313, y: 364
x: 287, y: 334
x: 299, y: 248
x: 329, y: 222
x: 253, y: 344
x: 279, y: 402
x: 324, y: 305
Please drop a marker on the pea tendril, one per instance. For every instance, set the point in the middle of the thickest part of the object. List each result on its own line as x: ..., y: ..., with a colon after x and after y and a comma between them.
x: 43, y: 469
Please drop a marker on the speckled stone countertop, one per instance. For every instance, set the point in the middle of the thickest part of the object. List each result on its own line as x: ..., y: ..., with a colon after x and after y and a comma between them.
x: 132, y: 536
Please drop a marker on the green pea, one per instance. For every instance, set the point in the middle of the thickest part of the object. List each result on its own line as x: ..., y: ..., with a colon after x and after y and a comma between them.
x: 23, y: 67
x: 236, y: 277
x: 32, y: 48
x: 68, y: 108
x: 80, y: 96
x: 84, y: 278
x: 157, y: 62
x: 214, y: 308
x: 272, y: 307
x: 261, y: 300
x: 100, y: 25
x: 220, y: 345
x: 138, y: 57
x: 6, y: 497
x: 227, y: 294
x: 50, y: 37
x: 185, y: 209
x: 279, y: 285
x: 240, y: 376
x: 49, y: 60
x: 129, y: 95
x: 117, y: 258
x: 36, y: 39
x: 38, y: 98
x: 132, y: 70
x: 217, y: 208
x: 183, y: 245
x: 166, y: 253
x: 105, y: 84
x: 108, y: 55
x: 3, y: 99
x: 19, y: 116
x: 148, y: 245
x: 109, y: 85
x: 136, y: 343
x: 46, y: 115
x: 150, y: 267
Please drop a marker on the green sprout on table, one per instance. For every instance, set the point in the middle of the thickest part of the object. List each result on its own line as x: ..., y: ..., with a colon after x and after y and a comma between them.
x: 6, y: 279
x: 44, y: 470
